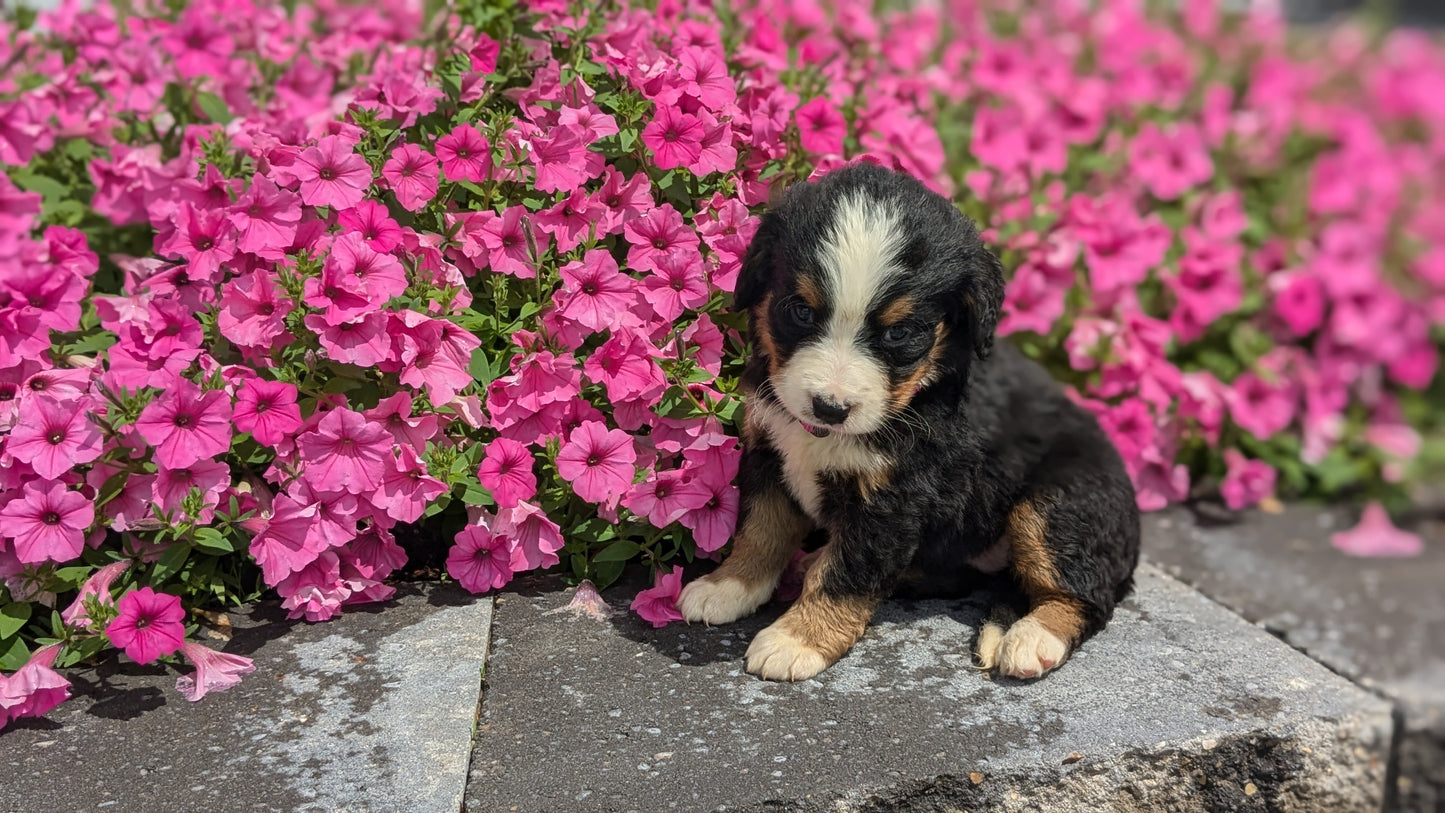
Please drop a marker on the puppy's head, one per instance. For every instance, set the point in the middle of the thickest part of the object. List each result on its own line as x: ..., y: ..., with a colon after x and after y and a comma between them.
x: 866, y: 289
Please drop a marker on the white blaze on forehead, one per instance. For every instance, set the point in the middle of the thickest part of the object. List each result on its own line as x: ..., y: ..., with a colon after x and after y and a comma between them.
x: 857, y: 260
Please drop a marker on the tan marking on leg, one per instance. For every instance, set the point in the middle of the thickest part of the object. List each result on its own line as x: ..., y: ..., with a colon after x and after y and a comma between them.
x: 992, y: 560
x: 896, y: 311
x: 814, y: 633
x: 1041, y: 640
x: 774, y: 528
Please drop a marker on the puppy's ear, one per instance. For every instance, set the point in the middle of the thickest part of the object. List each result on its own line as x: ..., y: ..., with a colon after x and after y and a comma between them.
x: 757, y: 266
x: 983, y: 295
x: 972, y: 317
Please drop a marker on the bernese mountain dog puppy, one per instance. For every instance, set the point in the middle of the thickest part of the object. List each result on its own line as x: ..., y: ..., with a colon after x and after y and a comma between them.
x: 881, y: 414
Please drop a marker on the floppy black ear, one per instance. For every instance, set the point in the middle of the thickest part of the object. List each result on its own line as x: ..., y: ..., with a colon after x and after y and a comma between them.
x: 757, y: 267
x: 983, y: 294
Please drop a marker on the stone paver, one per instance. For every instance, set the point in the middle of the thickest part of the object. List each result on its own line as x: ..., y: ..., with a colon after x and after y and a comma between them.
x: 1380, y: 622
x: 1179, y: 705
x: 373, y: 711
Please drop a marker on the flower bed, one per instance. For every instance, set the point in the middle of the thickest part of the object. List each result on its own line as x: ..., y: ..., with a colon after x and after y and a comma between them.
x: 280, y: 289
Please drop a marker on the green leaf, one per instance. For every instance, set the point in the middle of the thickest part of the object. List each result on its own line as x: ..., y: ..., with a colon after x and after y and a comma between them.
x: 170, y: 563
x: 13, y: 617
x: 619, y: 551
x: 214, y: 107
x: 49, y: 188
x: 211, y: 540
x: 13, y: 653
x: 481, y: 367
x: 475, y: 494
x: 605, y: 573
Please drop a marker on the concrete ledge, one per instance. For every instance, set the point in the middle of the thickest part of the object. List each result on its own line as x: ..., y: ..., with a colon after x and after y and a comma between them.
x: 373, y: 711
x: 1179, y: 705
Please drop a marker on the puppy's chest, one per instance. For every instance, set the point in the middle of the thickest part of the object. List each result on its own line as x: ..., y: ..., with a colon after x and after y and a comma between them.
x: 805, y: 459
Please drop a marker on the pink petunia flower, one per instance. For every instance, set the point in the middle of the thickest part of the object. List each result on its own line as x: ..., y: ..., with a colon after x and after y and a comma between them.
x: 1377, y: 536
x: 34, y: 689
x: 712, y: 525
x: 332, y: 174
x: 655, y: 233
x: 465, y: 154
x: 54, y: 436
x: 597, y: 462
x: 658, y: 604
x: 210, y: 477
x: 507, y: 239
x: 406, y: 488
x: 96, y: 587
x: 267, y: 217
x: 47, y: 522
x: 506, y: 471
x: 480, y: 560
x: 563, y: 161
x: 1247, y: 481
x: 149, y: 625
x: 287, y: 541
x: 676, y: 284
x: 371, y: 220
x: 821, y: 127
x: 626, y: 364
x: 345, y: 453
x: 1170, y: 161
x: 395, y: 415
x: 595, y: 292
x: 534, y: 537
x: 674, y: 137
x: 215, y: 671
x: 666, y: 496
x: 1261, y: 408
x: 267, y: 409
x: 412, y: 173
x: 186, y: 424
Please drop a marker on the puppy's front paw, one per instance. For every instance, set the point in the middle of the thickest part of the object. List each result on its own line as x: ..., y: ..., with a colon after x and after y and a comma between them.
x: 776, y: 654
x: 1028, y: 650
x: 719, y: 601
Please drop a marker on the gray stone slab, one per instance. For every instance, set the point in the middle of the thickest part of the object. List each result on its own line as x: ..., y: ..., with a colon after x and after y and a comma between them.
x: 1178, y: 705
x: 1381, y: 622
x: 372, y: 711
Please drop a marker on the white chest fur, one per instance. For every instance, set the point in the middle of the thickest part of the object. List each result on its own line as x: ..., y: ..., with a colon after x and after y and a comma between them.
x: 805, y: 456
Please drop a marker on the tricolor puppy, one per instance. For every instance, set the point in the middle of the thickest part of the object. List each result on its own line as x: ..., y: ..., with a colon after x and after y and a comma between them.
x: 881, y: 412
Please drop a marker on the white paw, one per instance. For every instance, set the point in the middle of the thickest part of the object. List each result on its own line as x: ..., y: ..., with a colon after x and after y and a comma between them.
x: 986, y: 647
x: 719, y: 602
x: 1028, y: 650
x: 776, y: 655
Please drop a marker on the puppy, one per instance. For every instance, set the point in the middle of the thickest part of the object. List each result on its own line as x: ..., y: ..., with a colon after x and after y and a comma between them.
x: 881, y: 414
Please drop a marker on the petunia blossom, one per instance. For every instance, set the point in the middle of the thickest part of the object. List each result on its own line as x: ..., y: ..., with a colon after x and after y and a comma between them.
x: 479, y: 560
x: 148, y: 626
x: 47, y: 522
x: 658, y: 603
x: 1376, y: 536
x: 597, y: 462
x: 215, y: 671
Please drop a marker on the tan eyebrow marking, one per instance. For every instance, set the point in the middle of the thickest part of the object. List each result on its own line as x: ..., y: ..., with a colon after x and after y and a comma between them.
x: 897, y: 311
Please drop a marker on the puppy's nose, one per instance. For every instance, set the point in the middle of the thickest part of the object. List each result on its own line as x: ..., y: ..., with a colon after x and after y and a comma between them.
x: 828, y: 411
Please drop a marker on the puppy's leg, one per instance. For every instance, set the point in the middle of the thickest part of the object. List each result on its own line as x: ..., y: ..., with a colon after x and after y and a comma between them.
x: 815, y: 632
x: 1073, y: 563
x: 771, y: 526
x: 853, y: 572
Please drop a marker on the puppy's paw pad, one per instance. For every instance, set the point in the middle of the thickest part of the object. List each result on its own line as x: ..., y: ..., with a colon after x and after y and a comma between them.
x: 1028, y: 650
x: 777, y: 655
x: 720, y: 601
x: 985, y: 647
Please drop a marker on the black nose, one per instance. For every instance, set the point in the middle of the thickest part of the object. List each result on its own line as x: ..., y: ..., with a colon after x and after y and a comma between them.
x: 829, y: 412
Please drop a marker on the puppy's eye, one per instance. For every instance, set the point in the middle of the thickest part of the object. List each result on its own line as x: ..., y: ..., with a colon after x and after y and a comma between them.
x: 897, y: 334
x: 802, y: 314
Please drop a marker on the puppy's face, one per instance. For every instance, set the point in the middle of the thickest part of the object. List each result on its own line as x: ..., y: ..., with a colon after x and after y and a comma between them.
x: 865, y: 289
